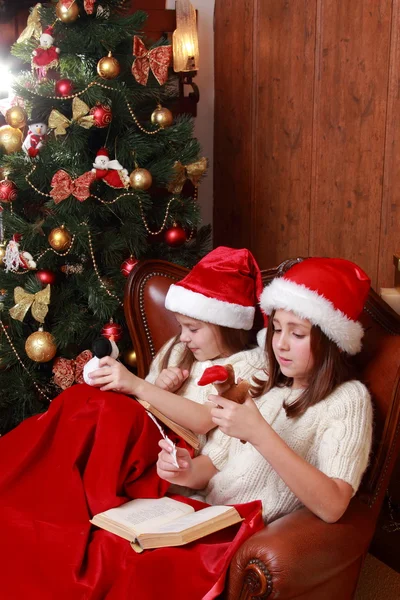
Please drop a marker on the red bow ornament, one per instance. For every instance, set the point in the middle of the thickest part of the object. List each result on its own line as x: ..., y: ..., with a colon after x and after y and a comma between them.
x: 158, y: 60
x: 64, y: 186
x: 67, y: 372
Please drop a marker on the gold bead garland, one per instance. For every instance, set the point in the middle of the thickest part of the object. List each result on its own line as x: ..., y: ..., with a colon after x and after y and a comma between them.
x: 38, y: 388
x: 105, y: 87
x: 105, y: 202
x: 96, y: 270
x: 163, y: 223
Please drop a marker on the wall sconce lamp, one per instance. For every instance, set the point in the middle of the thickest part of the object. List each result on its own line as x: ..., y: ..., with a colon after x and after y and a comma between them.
x: 185, y: 47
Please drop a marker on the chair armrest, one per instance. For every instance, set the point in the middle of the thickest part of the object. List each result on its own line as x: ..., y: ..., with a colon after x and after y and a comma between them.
x: 297, y: 553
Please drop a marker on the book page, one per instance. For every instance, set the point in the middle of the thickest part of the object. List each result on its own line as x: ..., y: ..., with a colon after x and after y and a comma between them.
x: 140, y: 514
x: 183, y: 432
x: 192, y: 519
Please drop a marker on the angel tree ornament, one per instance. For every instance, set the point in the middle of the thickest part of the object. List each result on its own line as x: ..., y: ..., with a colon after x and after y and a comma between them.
x: 157, y: 60
x: 110, y: 171
x: 14, y: 259
x: 45, y: 56
x: 35, y: 138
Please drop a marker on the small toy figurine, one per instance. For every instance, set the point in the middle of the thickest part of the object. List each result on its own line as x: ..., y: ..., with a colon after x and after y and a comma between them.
x: 35, y: 138
x: 110, y: 171
x: 14, y: 259
x: 223, y: 379
x: 101, y: 347
x: 45, y: 56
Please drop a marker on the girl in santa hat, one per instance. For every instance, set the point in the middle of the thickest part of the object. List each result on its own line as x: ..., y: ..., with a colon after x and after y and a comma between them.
x: 309, y: 432
x: 93, y: 450
x: 214, y: 305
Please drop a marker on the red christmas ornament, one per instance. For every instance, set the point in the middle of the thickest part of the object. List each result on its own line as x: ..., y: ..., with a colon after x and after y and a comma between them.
x: 128, y: 265
x: 175, y: 236
x: 8, y: 190
x: 102, y: 115
x: 46, y: 277
x: 63, y: 87
x: 112, y: 330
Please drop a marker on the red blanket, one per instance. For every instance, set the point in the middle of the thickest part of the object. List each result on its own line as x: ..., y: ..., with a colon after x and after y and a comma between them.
x: 89, y: 452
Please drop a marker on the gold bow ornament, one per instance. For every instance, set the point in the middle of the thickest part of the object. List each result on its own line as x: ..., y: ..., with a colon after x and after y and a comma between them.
x: 194, y: 171
x: 60, y: 122
x: 37, y: 302
x: 33, y: 26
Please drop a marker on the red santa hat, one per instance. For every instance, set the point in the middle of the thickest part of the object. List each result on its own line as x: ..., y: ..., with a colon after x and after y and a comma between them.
x: 223, y: 289
x: 329, y: 292
x: 48, y: 31
x: 102, y: 152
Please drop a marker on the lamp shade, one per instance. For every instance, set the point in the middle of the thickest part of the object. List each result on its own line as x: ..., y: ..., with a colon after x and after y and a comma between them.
x: 185, y: 44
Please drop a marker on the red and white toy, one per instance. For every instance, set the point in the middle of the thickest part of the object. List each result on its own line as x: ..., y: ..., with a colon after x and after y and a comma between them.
x: 45, y: 56
x: 14, y: 259
x: 35, y: 138
x: 110, y: 171
x: 223, y: 379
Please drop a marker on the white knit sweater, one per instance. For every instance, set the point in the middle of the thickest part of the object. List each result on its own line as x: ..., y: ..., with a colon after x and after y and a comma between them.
x: 334, y: 436
x: 245, y: 363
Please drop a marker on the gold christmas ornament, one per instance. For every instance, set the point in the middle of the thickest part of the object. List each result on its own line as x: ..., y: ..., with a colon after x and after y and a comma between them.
x: 2, y: 253
x: 108, y: 67
x: 40, y: 346
x: 16, y: 117
x: 38, y: 303
x: 33, y: 26
x: 10, y: 139
x: 130, y: 358
x: 60, y: 122
x: 194, y: 171
x: 162, y: 117
x: 60, y: 239
x: 67, y: 11
x: 140, y: 179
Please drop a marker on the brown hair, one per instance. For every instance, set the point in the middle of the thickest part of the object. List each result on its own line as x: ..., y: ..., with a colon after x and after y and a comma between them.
x: 331, y: 368
x: 234, y: 339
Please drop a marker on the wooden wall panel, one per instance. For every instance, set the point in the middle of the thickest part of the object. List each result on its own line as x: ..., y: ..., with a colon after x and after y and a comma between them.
x: 349, y: 126
x: 283, y: 131
x: 307, y: 134
x: 390, y: 215
x: 233, y: 144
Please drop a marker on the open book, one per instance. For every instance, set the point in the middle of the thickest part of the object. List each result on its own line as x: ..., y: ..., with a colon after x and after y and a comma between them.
x: 184, y: 433
x: 156, y: 523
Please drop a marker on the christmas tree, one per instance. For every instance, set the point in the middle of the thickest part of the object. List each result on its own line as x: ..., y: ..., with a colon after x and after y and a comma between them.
x: 96, y: 174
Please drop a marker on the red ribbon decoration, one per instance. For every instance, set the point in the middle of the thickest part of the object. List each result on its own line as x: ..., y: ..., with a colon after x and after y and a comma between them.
x: 64, y: 186
x: 67, y: 372
x: 158, y: 60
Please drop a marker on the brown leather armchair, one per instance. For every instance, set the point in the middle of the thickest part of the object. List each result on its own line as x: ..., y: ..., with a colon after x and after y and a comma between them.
x: 297, y: 556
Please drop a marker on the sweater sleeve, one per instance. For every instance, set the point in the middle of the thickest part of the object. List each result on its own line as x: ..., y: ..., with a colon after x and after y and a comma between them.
x: 155, y: 367
x: 346, y: 434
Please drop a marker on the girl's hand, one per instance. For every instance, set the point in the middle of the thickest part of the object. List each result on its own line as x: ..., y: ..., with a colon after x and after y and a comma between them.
x: 114, y: 376
x: 171, y: 379
x: 166, y: 469
x: 243, y: 421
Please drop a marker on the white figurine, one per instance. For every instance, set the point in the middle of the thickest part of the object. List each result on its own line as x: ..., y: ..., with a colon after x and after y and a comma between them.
x: 35, y: 138
x: 101, y: 347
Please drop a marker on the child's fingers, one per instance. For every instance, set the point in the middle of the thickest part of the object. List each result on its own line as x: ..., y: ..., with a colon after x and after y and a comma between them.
x: 106, y: 361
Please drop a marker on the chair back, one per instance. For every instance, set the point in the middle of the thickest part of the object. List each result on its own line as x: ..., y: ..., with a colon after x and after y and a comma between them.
x: 151, y: 325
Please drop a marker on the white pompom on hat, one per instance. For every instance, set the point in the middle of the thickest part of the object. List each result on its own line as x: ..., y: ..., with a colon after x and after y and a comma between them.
x: 223, y: 289
x: 328, y: 292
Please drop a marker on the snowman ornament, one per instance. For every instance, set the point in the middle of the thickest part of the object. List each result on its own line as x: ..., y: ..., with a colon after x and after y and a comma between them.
x: 35, y: 138
x: 110, y: 171
x: 45, y: 56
